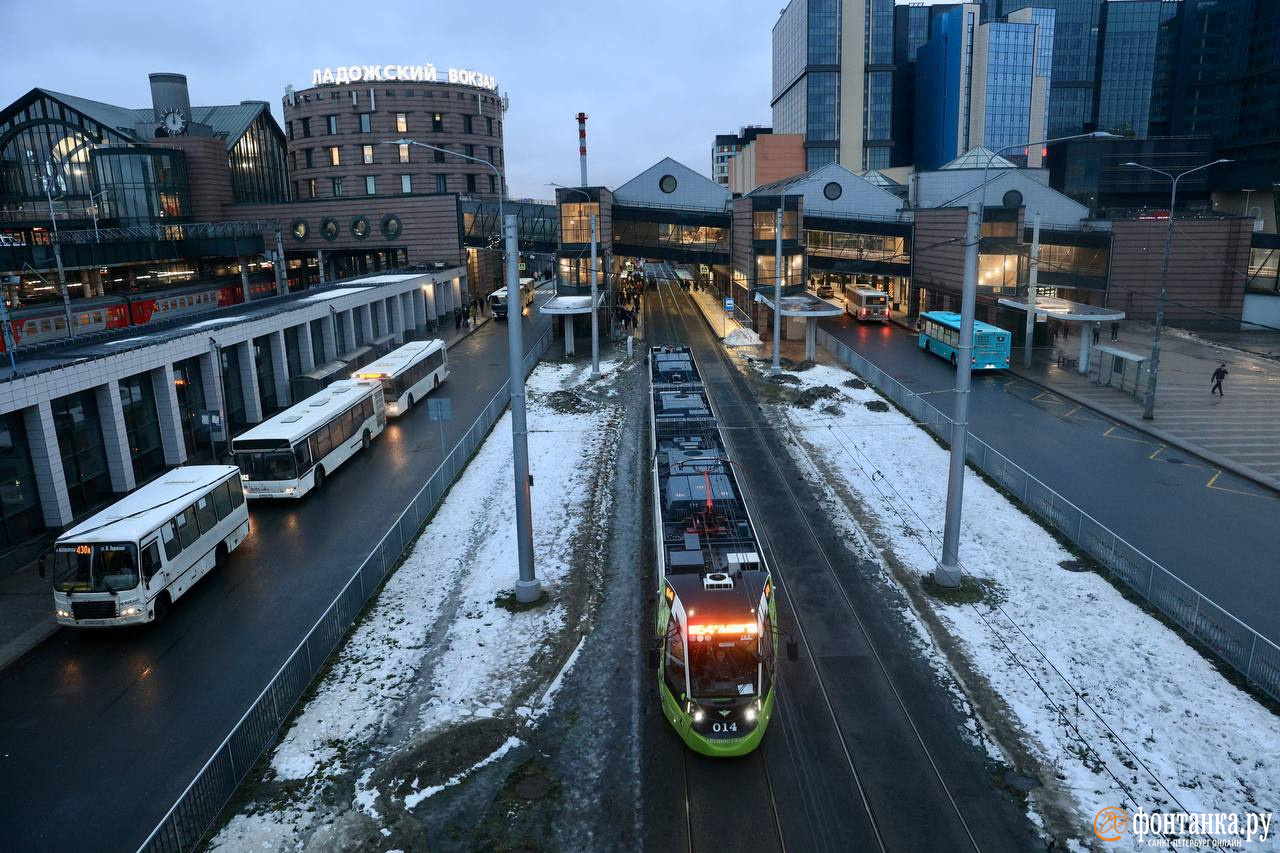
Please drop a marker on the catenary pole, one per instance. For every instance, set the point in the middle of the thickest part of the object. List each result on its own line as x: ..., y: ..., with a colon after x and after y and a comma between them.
x: 1032, y: 283
x: 528, y: 589
x: 776, y: 368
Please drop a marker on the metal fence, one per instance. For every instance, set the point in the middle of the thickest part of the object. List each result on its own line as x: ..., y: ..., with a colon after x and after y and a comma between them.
x: 1253, y: 655
x: 199, y: 805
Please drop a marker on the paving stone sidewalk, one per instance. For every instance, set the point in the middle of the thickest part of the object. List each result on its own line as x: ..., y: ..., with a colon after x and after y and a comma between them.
x: 1239, y: 431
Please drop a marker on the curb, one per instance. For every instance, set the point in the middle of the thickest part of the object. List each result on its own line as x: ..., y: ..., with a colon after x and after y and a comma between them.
x: 1217, y: 460
x: 26, y: 642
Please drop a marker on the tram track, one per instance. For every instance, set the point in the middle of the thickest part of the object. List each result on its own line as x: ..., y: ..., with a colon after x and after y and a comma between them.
x: 881, y: 706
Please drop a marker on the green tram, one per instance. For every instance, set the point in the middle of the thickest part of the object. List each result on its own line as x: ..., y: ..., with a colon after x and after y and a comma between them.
x: 716, y: 643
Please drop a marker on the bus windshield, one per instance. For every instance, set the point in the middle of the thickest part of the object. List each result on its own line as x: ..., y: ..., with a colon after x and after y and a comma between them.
x: 267, y: 464
x: 721, y: 669
x: 95, y: 567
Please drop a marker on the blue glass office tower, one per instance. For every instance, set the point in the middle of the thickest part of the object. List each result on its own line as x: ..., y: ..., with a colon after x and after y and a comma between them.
x: 1074, y: 76
x: 1134, y: 65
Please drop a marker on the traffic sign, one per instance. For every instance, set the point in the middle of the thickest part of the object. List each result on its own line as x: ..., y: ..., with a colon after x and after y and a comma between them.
x: 704, y: 269
x: 728, y: 305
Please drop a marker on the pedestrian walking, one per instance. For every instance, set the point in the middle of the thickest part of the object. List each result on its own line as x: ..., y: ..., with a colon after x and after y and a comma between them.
x: 1053, y: 331
x: 1115, y: 330
x: 1218, y: 375
x: 466, y: 317
x: 457, y: 319
x: 1097, y: 333
x: 1066, y: 331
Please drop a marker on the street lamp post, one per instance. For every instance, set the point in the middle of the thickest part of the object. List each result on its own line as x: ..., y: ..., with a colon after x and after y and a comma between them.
x: 776, y: 367
x: 1149, y: 405
x: 528, y: 590
x: 595, y: 285
x: 947, y: 572
x: 46, y: 177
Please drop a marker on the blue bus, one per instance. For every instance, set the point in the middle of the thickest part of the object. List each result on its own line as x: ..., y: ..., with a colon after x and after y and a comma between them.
x: 940, y: 335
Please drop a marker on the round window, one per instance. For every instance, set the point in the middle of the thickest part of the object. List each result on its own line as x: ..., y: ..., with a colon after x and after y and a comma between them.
x: 833, y: 191
x: 300, y: 229
x: 329, y: 229
x: 360, y: 227
x: 667, y: 183
x: 391, y: 226
x: 1013, y: 198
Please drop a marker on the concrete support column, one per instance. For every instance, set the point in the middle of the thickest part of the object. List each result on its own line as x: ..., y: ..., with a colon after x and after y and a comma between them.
x: 431, y: 303
x: 46, y: 462
x: 568, y: 330
x: 279, y: 368
x: 420, y: 310
x: 320, y: 263
x: 244, y: 278
x: 397, y: 318
x: 249, y: 387
x: 95, y: 279
x: 211, y: 378
x: 1086, y: 338
x: 348, y: 336
x: 465, y: 284
x: 455, y: 288
x: 366, y: 323
x: 115, y: 438
x: 169, y: 415
x: 811, y: 339
x: 406, y: 314
x: 379, y: 310
x: 306, y: 348
x: 329, y: 329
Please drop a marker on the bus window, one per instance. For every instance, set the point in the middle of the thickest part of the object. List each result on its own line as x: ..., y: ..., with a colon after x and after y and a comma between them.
x: 169, y: 535
x: 150, y: 560
x: 675, y: 659
x: 205, y: 514
x: 301, y: 457
x: 222, y: 501
x: 188, y: 529
x: 323, y: 443
x: 237, y: 494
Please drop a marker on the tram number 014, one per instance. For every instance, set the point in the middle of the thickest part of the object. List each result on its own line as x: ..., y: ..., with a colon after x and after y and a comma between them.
x: 721, y: 728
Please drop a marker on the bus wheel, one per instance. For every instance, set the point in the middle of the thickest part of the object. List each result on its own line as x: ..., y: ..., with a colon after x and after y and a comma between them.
x: 365, y: 439
x: 319, y: 477
x: 162, y: 606
x: 220, y: 555
x: 953, y: 359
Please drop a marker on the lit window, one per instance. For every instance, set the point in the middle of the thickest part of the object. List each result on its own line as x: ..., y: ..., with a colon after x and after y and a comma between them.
x: 335, y: 157
x: 311, y: 188
x: 406, y: 183
x: 437, y: 123
x: 402, y: 122
x: 367, y: 153
x: 404, y: 152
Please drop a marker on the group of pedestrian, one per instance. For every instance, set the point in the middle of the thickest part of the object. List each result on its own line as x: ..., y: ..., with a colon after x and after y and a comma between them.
x: 627, y: 311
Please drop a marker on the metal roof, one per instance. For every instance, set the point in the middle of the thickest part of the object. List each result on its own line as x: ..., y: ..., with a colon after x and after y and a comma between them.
x: 228, y: 121
x: 143, y: 511
x: 977, y: 158
x: 299, y: 420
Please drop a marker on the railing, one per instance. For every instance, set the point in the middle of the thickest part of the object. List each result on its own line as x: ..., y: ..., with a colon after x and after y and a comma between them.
x: 173, y: 231
x: 1253, y: 655
x: 727, y: 207
x: 203, y: 800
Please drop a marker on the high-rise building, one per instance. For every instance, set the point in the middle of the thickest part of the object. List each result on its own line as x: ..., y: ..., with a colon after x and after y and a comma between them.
x: 729, y: 145
x: 833, y: 80
x: 1135, y: 65
x: 982, y: 85
x: 1074, y: 76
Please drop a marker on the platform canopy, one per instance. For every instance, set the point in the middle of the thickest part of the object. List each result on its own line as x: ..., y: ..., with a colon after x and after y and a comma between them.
x: 1064, y: 309
x: 802, y: 305
x: 567, y: 305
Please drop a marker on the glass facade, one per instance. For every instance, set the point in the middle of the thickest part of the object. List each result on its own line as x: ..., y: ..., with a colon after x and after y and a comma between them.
x: 862, y: 247
x: 143, y: 185
x: 765, y: 225
x: 575, y: 222
x: 661, y: 235
x: 823, y: 107
x: 142, y: 427
x: 789, y: 112
x: 258, y: 172
x: 84, y: 458
x: 790, y: 48
x: 1074, y: 79
x: 189, y: 387
x: 824, y: 32
x: 1010, y: 66
x: 20, y: 514
x: 1132, y: 32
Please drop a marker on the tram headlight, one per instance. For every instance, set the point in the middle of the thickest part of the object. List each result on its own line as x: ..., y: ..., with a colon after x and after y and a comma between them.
x: 699, y: 716
x: 750, y: 715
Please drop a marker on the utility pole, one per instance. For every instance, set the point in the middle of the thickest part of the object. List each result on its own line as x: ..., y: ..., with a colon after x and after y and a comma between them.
x: 776, y: 368
x: 528, y: 590
x: 1032, y: 283
x: 46, y: 177
x: 947, y: 572
x: 595, y: 311
x: 282, y: 269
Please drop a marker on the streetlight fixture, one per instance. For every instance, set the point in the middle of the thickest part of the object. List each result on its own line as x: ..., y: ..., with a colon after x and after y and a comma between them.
x: 595, y: 285
x: 46, y: 178
x: 528, y: 590
x: 947, y: 572
x: 1149, y: 406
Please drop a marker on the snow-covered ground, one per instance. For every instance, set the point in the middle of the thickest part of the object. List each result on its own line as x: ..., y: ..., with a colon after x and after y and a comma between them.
x: 436, y: 652
x: 1116, y: 708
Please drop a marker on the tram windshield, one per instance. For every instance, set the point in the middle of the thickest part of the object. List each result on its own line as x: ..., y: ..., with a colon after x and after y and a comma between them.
x: 720, y: 668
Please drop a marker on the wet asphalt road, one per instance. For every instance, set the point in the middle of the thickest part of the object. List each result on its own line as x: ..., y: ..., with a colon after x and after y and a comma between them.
x: 100, y: 731
x: 1216, y: 534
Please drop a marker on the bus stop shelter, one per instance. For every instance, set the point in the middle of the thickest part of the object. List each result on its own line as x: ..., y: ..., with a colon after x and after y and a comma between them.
x: 807, y: 306
x: 569, y: 307
x: 1066, y: 311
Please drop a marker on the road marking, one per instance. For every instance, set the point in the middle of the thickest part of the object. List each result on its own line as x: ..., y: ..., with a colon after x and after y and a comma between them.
x: 1114, y: 427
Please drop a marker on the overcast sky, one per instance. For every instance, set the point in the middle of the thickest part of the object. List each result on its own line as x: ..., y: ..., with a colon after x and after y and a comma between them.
x: 656, y: 78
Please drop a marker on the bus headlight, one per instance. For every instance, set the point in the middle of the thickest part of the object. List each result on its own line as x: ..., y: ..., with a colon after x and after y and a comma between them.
x: 63, y: 614
x: 132, y: 610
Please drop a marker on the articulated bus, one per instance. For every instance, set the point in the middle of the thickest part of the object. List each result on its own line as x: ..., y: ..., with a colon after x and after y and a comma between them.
x: 407, y: 374
x: 128, y: 563
x: 867, y: 304
x: 940, y: 335
x: 291, y: 454
x: 716, y: 643
x: 498, y: 299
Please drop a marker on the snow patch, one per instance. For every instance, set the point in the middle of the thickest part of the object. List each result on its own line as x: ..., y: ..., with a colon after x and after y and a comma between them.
x: 411, y: 801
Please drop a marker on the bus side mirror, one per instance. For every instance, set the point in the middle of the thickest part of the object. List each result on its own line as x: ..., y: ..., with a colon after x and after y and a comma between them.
x: 40, y: 566
x: 793, y: 650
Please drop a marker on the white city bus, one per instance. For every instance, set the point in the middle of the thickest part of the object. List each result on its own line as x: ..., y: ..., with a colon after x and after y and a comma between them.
x: 498, y: 299
x: 867, y: 304
x: 407, y: 374
x: 290, y: 454
x: 128, y: 563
